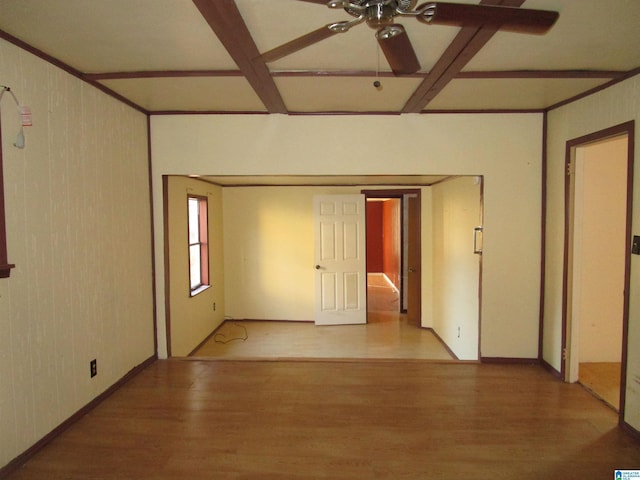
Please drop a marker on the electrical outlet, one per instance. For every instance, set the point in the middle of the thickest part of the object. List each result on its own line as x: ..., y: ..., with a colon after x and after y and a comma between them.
x: 93, y: 367
x: 635, y: 248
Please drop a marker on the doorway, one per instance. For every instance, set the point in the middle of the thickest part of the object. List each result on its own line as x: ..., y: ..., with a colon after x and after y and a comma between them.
x: 598, y: 220
x: 393, y: 255
x: 383, y: 255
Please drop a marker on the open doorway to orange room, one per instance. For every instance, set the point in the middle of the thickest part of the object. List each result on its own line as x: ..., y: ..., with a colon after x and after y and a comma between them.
x: 393, y: 255
x: 597, y: 261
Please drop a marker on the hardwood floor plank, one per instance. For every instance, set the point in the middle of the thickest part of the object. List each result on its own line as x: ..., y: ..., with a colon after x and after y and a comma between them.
x: 354, y: 420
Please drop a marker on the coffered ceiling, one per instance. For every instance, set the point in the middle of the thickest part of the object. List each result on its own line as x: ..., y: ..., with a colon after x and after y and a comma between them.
x: 205, y: 55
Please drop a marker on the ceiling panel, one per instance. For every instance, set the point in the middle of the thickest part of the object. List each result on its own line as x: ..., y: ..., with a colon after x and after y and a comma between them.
x: 232, y: 94
x: 356, y: 94
x: 589, y: 35
x: 117, y: 35
x: 509, y: 94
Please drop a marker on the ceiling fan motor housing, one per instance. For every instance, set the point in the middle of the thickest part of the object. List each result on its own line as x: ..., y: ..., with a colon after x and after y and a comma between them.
x: 379, y: 13
x: 379, y: 16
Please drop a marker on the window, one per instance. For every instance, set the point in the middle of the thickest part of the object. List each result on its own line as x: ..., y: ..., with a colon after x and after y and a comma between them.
x: 198, y: 244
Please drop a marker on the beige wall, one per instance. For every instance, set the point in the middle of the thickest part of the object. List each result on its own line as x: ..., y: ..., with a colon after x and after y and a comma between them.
x: 79, y: 232
x: 613, y: 106
x: 426, y: 256
x: 456, y: 269
x: 193, y: 318
x: 268, y: 242
x: 506, y: 149
x: 269, y: 253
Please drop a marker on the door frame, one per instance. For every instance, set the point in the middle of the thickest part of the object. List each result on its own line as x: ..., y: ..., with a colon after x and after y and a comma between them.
x: 400, y: 193
x: 413, y: 255
x: 628, y: 129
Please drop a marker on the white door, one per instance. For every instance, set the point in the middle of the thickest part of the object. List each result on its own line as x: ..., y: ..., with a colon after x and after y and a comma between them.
x: 340, y: 260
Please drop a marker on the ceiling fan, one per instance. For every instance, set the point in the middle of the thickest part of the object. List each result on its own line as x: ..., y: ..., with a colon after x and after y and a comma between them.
x: 392, y: 37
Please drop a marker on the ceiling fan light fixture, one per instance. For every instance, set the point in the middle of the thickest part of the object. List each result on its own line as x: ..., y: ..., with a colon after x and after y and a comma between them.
x: 389, y: 32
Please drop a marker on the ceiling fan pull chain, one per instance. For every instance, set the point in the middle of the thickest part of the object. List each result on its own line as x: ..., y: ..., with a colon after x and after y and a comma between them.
x: 377, y: 85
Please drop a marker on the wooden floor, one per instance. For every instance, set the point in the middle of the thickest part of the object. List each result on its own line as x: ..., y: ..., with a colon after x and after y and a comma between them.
x: 603, y: 380
x: 261, y: 340
x: 197, y: 419
x: 387, y: 335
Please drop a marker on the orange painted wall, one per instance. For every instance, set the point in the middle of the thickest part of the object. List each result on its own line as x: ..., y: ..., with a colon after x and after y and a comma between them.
x: 374, y: 237
x: 391, y: 240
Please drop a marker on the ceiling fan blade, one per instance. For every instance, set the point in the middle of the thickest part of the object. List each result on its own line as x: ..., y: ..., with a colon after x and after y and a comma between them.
x: 319, y: 2
x: 396, y: 46
x: 298, y: 44
x: 505, y: 18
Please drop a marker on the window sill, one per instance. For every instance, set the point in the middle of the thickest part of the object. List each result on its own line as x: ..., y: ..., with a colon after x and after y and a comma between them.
x: 198, y: 290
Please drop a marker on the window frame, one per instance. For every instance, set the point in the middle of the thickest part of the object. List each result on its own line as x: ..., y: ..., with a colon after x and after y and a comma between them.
x: 202, y: 243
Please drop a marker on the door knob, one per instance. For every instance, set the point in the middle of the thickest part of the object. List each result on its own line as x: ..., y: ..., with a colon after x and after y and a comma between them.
x: 412, y: 270
x: 317, y: 267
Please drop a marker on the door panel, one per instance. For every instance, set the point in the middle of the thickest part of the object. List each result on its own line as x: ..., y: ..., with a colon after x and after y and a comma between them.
x: 329, y: 293
x: 340, y: 259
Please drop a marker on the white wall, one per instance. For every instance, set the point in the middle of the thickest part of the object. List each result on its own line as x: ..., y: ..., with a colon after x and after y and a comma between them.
x: 79, y: 233
x: 456, y: 269
x: 193, y: 318
x: 613, y: 106
x: 506, y: 149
